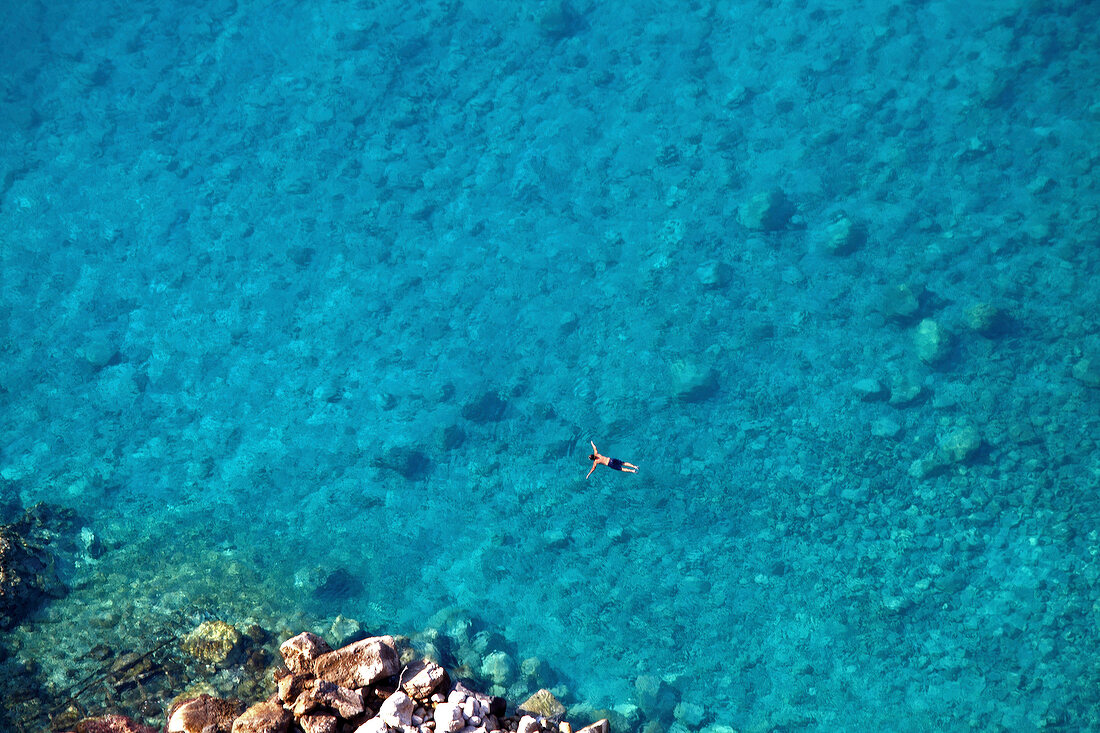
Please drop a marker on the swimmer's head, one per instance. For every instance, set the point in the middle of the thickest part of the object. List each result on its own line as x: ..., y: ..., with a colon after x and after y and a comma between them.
x: 592, y: 457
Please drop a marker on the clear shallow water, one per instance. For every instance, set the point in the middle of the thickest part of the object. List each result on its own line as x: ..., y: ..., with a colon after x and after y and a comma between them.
x: 294, y: 289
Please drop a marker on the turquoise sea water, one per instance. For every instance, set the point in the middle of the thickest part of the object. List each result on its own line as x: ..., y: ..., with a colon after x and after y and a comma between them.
x: 311, y: 309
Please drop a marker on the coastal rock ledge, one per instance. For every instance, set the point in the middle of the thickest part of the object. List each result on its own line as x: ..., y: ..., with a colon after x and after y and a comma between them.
x: 359, y: 688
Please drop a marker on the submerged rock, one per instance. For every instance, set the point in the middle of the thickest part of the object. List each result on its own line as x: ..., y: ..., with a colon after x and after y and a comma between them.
x: 983, y: 318
x: 498, y: 668
x: 489, y: 407
x: 902, y: 302
x: 932, y: 341
x: 214, y: 642
x: 870, y: 390
x: 1087, y: 371
x: 542, y: 704
x: 693, y: 381
x: 27, y: 574
x: 843, y: 236
x: 955, y: 447
x: 767, y: 211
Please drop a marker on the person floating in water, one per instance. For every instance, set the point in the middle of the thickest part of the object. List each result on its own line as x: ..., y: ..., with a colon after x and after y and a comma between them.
x: 612, y: 463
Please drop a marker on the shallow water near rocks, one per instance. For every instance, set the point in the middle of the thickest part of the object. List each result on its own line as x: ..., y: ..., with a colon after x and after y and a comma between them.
x: 311, y: 310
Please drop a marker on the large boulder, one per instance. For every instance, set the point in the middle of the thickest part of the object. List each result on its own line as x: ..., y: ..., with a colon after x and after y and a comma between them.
x: 292, y: 685
x: 932, y: 341
x: 299, y: 652
x: 448, y: 717
x: 422, y: 678
x: 203, y: 714
x: 344, y: 702
x: 397, y: 710
x: 216, y: 643
x: 359, y: 664
x: 263, y: 717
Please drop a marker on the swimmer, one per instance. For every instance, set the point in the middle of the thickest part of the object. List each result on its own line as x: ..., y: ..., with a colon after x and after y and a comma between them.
x: 613, y: 463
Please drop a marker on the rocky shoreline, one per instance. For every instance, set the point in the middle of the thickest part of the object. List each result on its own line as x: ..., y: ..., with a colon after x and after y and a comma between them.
x: 374, y: 685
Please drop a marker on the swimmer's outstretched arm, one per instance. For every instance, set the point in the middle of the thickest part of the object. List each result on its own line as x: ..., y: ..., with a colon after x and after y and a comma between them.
x: 591, y: 470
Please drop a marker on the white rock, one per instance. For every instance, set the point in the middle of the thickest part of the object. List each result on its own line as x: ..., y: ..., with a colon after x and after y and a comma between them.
x: 600, y: 726
x: 471, y: 708
x: 527, y: 724
x: 448, y: 718
x: 499, y: 668
x: 397, y: 709
x: 456, y: 696
x: 374, y: 725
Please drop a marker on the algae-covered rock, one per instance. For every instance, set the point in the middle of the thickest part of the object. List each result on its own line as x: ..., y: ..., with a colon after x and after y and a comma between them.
x: 543, y: 704
x: 214, y: 642
x: 983, y: 318
x: 932, y: 341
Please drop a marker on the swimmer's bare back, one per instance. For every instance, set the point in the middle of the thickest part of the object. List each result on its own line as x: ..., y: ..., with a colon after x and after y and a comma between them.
x: 613, y: 463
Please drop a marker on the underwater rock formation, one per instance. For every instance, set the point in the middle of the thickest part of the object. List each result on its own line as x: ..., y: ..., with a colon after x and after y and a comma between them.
x: 27, y: 567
